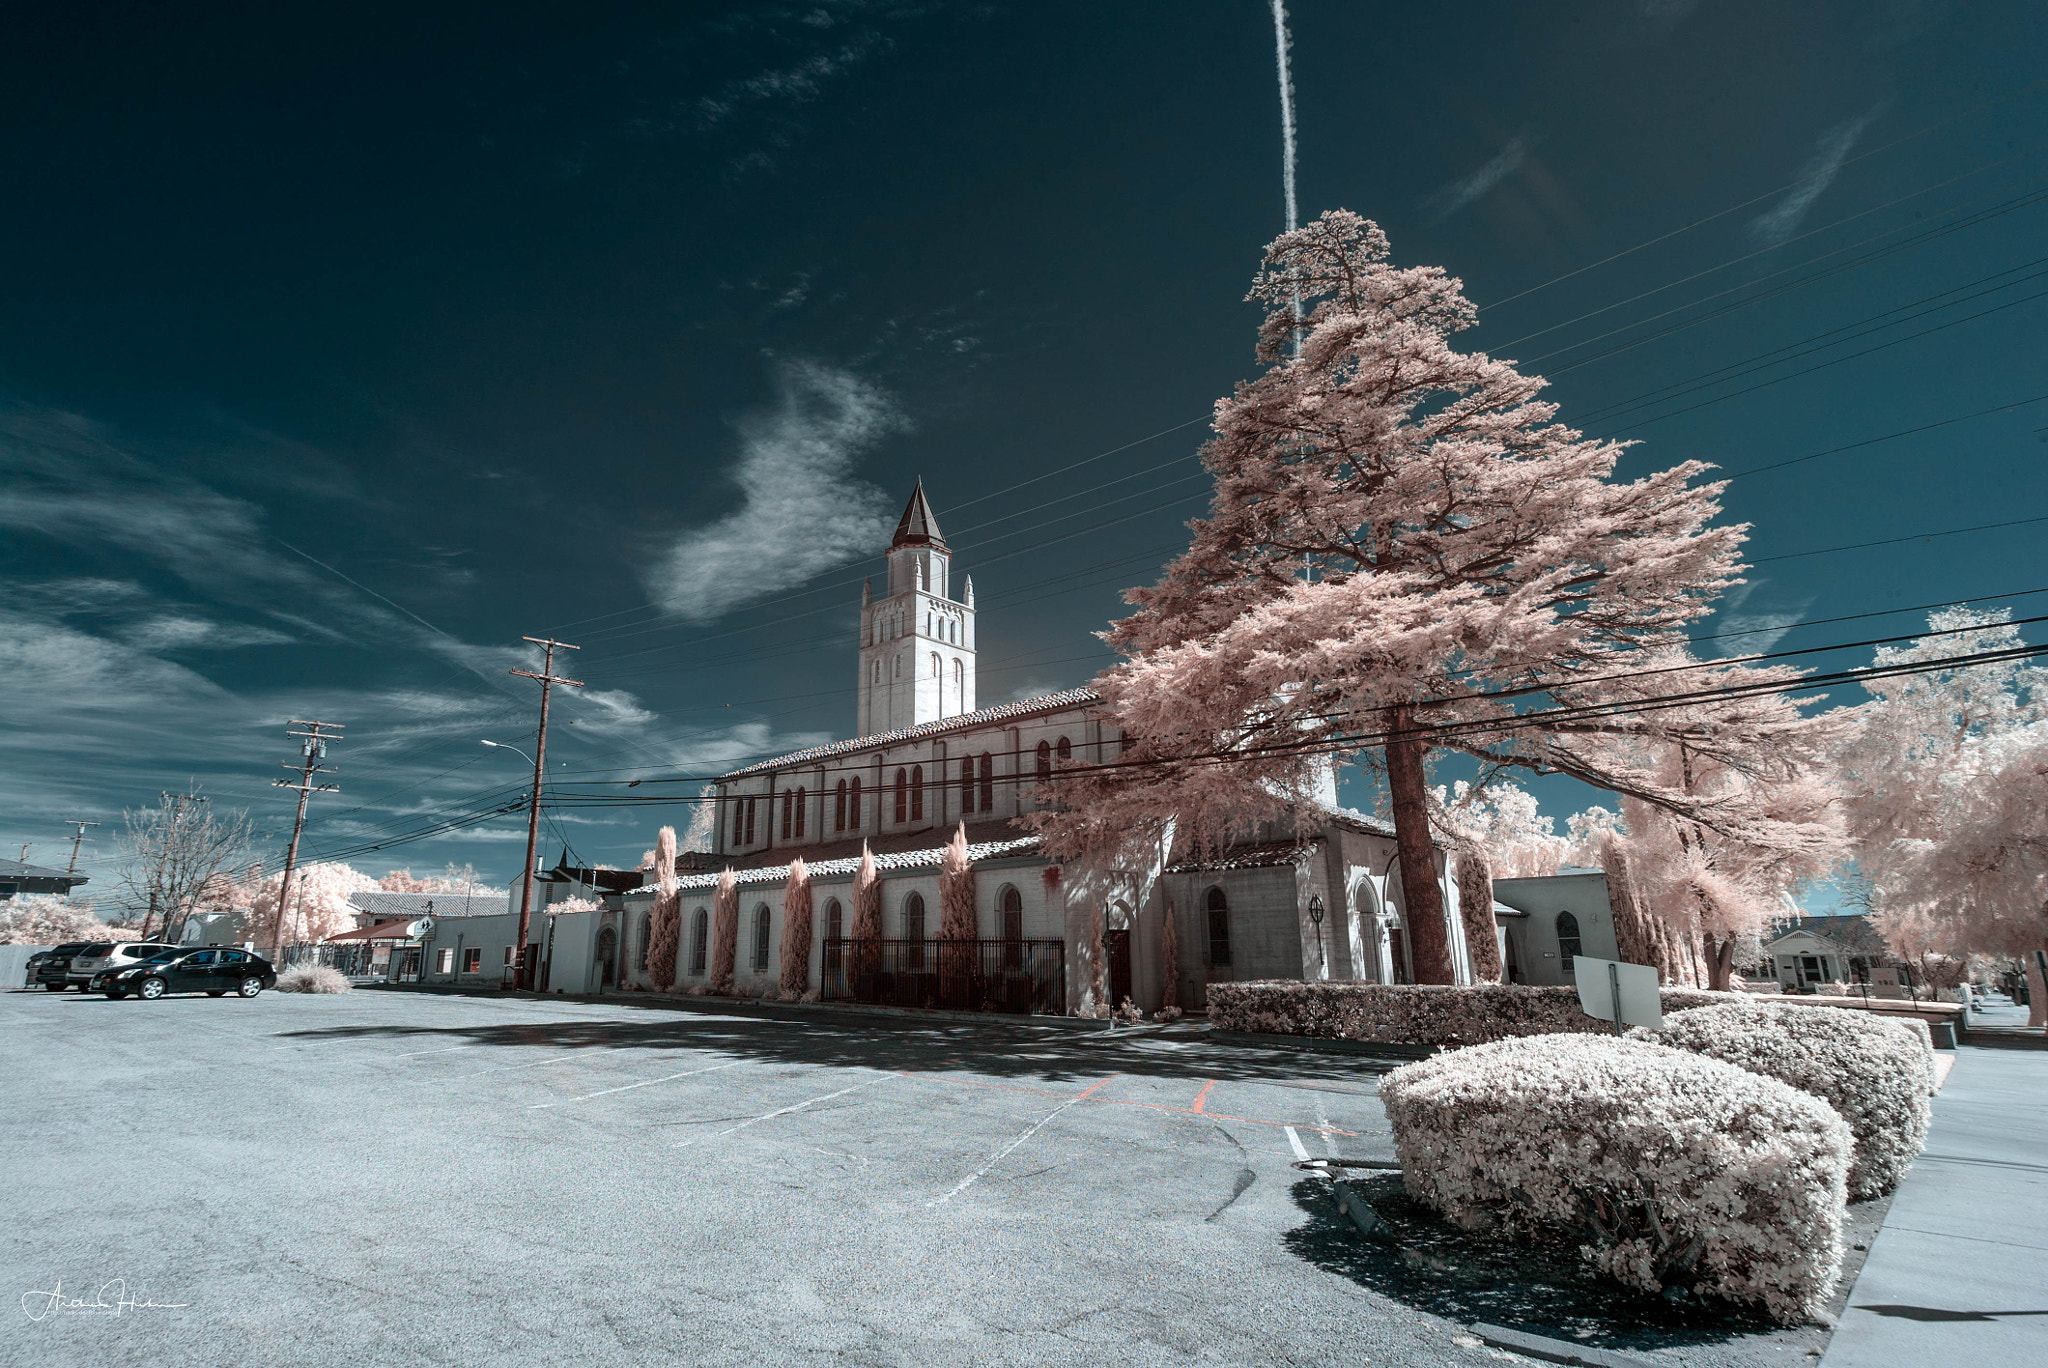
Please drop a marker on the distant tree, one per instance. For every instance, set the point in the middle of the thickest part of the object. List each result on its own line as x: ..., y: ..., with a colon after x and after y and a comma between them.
x: 1399, y: 532
x: 865, y: 955
x: 725, y: 931
x: 452, y: 880
x: 1947, y: 781
x: 702, y: 833
x: 959, y: 921
x: 796, y: 931
x: 666, y: 919
x: 320, y: 904
x: 44, y: 919
x: 171, y: 852
x: 1169, y: 956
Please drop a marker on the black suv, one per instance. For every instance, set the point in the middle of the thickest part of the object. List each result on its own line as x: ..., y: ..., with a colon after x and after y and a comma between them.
x: 56, y: 964
x: 213, y: 971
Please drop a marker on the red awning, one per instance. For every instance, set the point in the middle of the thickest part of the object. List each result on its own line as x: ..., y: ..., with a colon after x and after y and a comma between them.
x: 401, y: 930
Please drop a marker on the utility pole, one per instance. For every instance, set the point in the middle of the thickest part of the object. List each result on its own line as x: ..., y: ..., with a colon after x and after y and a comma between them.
x: 548, y: 679
x: 76, y: 842
x: 312, y: 750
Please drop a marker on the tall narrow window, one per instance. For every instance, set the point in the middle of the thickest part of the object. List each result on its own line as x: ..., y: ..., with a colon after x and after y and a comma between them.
x: 1044, y: 762
x: 967, y: 784
x: 902, y: 796
x: 878, y: 670
x: 835, y: 928
x: 1010, y: 904
x: 988, y: 782
x: 699, y: 935
x: 960, y: 686
x: 839, y: 806
x: 935, y: 664
x: 646, y: 934
x: 801, y: 803
x: 853, y: 817
x: 917, y: 793
x: 1066, y: 750
x: 750, y: 822
x: 913, y: 932
x: 787, y: 799
x: 1568, y: 942
x: 763, y: 925
x: 739, y: 820
x: 1219, y: 927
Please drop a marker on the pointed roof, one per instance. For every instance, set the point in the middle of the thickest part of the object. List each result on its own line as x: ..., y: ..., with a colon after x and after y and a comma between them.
x: 917, y: 526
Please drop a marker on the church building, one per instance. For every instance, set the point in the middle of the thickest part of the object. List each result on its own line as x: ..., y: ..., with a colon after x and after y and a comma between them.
x: 1314, y: 897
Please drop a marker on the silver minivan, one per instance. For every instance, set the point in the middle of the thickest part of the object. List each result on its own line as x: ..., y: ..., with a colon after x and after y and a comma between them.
x: 103, y: 955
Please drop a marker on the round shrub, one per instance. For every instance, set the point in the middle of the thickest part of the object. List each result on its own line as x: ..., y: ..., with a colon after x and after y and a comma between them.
x: 312, y: 978
x: 1679, y: 1169
x: 1878, y: 1074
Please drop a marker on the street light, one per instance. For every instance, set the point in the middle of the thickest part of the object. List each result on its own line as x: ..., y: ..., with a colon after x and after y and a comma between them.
x: 500, y: 745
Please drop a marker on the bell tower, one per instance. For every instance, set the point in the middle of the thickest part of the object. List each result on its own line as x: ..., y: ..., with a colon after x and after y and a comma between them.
x: 916, y: 640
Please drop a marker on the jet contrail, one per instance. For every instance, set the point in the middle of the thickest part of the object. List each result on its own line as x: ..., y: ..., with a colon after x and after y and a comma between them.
x: 1281, y: 42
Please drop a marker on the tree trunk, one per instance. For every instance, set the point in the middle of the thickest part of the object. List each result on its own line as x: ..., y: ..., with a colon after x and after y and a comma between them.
x: 2037, y: 992
x: 1720, y: 961
x: 1422, y: 898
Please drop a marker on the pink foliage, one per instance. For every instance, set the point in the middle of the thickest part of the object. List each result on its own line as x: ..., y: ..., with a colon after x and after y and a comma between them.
x: 796, y: 931
x: 866, y: 951
x: 665, y: 930
x: 41, y: 919
x: 320, y: 903
x: 959, y: 922
x: 725, y: 931
x: 1475, y: 908
x: 1398, y: 527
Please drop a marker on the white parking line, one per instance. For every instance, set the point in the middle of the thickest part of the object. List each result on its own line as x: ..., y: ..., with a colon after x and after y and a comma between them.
x: 1300, y: 1152
x: 644, y: 1083
x: 971, y: 1179
x: 529, y: 1064
x: 415, y: 1053
x: 781, y: 1111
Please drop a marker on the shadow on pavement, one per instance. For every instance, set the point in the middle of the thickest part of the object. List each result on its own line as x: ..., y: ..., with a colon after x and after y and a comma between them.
x: 1004, y: 1047
x: 1537, y: 1286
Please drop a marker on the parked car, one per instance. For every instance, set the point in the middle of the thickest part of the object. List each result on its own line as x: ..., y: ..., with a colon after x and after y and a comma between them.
x: 213, y: 971
x: 56, y: 964
x: 109, y: 955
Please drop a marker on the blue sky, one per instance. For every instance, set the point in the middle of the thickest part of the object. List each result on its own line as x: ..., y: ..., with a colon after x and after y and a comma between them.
x: 339, y: 352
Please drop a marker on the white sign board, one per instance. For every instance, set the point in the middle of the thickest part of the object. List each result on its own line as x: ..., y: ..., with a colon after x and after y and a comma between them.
x: 1642, y: 1004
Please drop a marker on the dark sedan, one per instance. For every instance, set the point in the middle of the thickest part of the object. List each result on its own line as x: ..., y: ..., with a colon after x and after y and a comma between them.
x: 214, y: 971
x: 53, y: 964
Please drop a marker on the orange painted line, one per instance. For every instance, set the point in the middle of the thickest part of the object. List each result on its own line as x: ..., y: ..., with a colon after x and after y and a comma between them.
x: 1202, y: 1098
x: 1119, y: 1102
x: 1093, y: 1089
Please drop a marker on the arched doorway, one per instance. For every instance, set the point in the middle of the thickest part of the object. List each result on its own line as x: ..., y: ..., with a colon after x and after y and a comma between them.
x: 607, y: 954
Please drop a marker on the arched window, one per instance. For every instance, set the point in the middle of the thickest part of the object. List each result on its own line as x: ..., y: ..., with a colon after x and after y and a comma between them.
x: 935, y: 664
x: 750, y: 822
x: 788, y: 798
x: 835, y: 928
x: 646, y: 934
x: 899, y: 665
x: 1219, y: 927
x: 739, y: 819
x: 967, y: 784
x: 902, y: 795
x: 913, y: 932
x: 1066, y: 750
x: 878, y: 670
x: 763, y: 926
x: 1044, y: 761
x: 700, y: 935
x: 988, y: 782
x: 917, y: 793
x: 853, y: 803
x: 1010, y: 912
x: 960, y: 685
x: 839, y: 806
x: 1567, y: 940
x: 800, y: 805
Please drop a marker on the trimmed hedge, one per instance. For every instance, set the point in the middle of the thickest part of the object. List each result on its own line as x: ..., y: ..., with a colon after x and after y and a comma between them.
x: 1679, y: 1169
x: 1877, y: 1073
x: 1416, y: 1014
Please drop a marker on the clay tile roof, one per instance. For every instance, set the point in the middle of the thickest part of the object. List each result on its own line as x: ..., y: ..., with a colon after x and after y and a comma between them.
x: 1023, y: 707
x: 892, y: 862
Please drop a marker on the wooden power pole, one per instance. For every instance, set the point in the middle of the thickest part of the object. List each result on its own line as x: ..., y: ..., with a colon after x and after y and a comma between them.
x: 548, y: 679
x: 76, y: 842
x: 312, y: 750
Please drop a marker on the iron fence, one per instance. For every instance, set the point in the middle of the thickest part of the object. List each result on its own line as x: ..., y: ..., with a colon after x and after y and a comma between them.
x: 1024, y: 976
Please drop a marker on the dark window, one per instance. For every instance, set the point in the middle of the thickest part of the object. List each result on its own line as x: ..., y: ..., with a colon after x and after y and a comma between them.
x: 1044, y: 761
x: 788, y: 799
x: 834, y: 929
x: 1219, y: 927
x: 902, y: 796
x: 700, y: 927
x: 473, y: 960
x: 853, y: 817
x: 839, y: 806
x: 739, y: 821
x: 988, y: 782
x: 750, y: 822
x: 1567, y: 940
x: 1010, y: 905
x: 1066, y: 750
x: 967, y: 784
x: 646, y: 934
x: 913, y: 931
x: 762, y: 925
x: 801, y: 803
x: 917, y: 793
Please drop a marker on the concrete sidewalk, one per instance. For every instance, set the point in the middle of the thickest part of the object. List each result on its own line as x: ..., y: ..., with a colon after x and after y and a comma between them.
x: 1959, y: 1272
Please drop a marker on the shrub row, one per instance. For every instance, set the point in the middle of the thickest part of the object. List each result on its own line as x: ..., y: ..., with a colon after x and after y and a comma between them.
x: 1680, y: 1169
x: 1416, y: 1014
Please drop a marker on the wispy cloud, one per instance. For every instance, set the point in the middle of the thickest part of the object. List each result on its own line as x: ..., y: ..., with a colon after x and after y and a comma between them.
x: 804, y: 510
x: 1782, y: 219
x: 1464, y: 191
x: 1754, y: 632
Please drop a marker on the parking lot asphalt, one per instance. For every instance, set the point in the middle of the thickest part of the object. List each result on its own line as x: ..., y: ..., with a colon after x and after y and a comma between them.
x: 386, y: 1177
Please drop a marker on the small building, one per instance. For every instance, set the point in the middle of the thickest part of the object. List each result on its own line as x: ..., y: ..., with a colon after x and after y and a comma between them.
x: 1809, y: 951
x: 375, y: 905
x: 1549, y: 921
x: 19, y: 877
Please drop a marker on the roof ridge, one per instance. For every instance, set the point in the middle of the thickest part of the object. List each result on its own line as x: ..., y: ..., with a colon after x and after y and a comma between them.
x: 1000, y: 712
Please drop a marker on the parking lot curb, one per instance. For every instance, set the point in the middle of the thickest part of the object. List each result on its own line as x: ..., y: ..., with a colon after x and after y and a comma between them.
x: 1550, y: 1350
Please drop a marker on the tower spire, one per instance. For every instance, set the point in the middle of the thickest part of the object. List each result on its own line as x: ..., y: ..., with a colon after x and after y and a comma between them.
x: 917, y: 526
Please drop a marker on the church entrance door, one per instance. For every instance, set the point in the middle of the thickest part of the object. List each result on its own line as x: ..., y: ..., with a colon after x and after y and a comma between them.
x: 607, y: 951
x: 1118, y: 946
